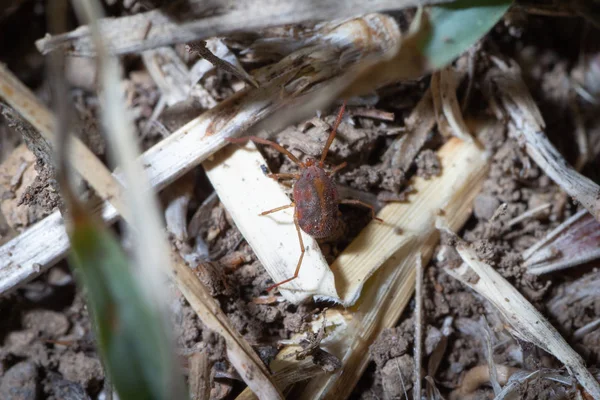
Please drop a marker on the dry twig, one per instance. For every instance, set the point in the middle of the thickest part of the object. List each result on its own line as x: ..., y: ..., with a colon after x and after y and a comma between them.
x: 447, y: 109
x: 129, y: 34
x: 418, y: 352
x: 233, y: 67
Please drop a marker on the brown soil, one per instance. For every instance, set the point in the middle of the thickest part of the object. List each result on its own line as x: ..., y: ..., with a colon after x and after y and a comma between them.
x: 46, y: 339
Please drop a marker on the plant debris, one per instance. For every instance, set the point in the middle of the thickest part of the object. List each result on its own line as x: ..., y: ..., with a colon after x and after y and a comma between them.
x: 496, y: 135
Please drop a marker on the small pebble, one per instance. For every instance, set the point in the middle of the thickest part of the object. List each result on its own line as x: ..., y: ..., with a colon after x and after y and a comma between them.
x: 20, y: 382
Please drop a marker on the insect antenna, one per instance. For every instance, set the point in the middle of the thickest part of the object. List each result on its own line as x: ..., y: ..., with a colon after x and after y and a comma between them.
x: 332, y: 134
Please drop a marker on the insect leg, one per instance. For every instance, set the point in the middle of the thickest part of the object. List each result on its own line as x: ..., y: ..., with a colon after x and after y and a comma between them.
x: 277, y: 209
x: 333, y: 133
x: 274, y: 145
x: 360, y: 203
x: 302, y: 250
x: 284, y: 176
x: 337, y: 168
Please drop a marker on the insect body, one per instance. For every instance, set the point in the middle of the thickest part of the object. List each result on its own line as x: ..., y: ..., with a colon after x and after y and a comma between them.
x: 316, y: 198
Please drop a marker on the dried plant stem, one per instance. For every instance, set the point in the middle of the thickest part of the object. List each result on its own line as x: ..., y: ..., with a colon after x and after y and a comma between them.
x: 419, y: 124
x: 586, y: 191
x: 289, y: 373
x: 239, y: 352
x: 200, y: 48
x: 587, y: 328
x: 130, y: 34
x: 447, y: 109
x: 527, y: 124
x: 574, y: 242
x: 170, y: 74
x: 553, y: 234
x: 405, y: 222
x: 525, y: 320
x: 528, y: 214
x: 418, y: 352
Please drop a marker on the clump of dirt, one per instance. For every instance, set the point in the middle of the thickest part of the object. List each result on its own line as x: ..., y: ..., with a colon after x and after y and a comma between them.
x: 17, y: 173
x: 19, y: 382
x: 428, y: 164
x: 78, y: 367
x: 42, y: 194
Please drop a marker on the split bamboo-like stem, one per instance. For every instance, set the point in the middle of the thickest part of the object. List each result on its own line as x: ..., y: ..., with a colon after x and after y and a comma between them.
x: 158, y: 28
x: 246, y: 191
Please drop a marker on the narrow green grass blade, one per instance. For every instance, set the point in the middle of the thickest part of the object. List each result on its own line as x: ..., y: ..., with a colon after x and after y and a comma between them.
x: 457, y: 26
x: 131, y: 335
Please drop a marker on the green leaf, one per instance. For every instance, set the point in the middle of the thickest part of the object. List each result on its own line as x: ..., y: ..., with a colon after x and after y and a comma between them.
x: 131, y: 334
x: 455, y: 27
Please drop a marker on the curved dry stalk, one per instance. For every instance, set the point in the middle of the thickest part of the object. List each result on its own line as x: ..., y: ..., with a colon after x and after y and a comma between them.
x: 528, y: 125
x: 239, y: 352
x: 447, y: 109
x: 525, y: 320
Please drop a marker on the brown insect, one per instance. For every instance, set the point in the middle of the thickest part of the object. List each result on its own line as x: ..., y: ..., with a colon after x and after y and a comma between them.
x: 315, y: 194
